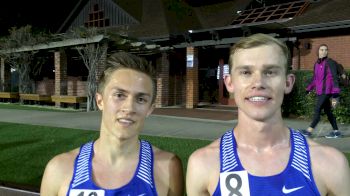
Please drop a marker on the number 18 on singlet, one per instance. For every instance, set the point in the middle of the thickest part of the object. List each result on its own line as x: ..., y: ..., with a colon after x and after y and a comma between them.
x: 234, y: 183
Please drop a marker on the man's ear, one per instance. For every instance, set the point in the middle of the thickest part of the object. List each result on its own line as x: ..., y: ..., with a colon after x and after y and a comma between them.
x: 99, y: 101
x: 228, y: 83
x: 290, y: 80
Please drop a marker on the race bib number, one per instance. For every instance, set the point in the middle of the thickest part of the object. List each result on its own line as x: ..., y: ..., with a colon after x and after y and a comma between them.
x: 234, y: 183
x: 86, y: 192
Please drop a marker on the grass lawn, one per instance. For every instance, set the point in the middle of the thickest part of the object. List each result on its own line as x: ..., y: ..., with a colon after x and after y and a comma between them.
x: 25, y: 150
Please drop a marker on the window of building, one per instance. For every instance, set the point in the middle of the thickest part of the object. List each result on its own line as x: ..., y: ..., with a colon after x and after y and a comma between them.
x: 97, y: 18
x: 271, y: 12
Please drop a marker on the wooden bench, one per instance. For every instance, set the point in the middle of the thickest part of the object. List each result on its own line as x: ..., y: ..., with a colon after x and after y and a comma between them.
x: 76, y: 100
x: 35, y: 97
x: 9, y: 95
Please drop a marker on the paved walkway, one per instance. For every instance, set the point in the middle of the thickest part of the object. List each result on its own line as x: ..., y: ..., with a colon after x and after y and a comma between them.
x: 204, y: 124
x: 201, y: 123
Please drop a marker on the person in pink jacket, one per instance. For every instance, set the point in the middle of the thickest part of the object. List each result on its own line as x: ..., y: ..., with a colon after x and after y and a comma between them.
x: 325, y: 82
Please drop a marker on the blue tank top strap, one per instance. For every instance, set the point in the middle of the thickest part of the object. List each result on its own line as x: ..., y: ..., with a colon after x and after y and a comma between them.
x: 145, y: 167
x: 301, y: 154
x: 228, y: 161
x: 82, y: 166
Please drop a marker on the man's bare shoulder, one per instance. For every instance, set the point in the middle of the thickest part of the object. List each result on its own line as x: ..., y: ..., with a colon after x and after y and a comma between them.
x: 330, y: 168
x: 325, y: 154
x: 168, y: 172
x: 165, y: 159
x: 207, y: 154
x: 63, y: 161
x: 58, y: 173
x: 203, y: 170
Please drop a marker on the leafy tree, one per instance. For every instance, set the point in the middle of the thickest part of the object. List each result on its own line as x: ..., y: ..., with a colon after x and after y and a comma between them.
x: 91, y: 54
x: 19, y: 58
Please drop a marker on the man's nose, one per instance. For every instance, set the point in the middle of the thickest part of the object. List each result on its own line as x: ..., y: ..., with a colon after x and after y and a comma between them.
x: 128, y: 105
x: 258, y: 80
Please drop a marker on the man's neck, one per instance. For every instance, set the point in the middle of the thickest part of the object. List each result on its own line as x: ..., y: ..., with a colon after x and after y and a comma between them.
x: 260, y: 135
x: 113, y: 149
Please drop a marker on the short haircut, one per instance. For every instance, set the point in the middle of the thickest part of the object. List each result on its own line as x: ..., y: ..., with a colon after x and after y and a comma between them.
x: 124, y: 60
x: 256, y: 40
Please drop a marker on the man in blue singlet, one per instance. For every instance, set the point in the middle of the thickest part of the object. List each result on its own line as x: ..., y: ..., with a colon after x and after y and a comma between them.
x: 261, y: 155
x: 118, y: 162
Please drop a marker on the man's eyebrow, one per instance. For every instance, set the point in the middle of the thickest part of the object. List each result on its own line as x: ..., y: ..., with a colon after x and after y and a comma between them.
x: 267, y: 66
x: 125, y: 91
x: 119, y: 89
x: 242, y: 66
x: 273, y: 66
x: 143, y: 94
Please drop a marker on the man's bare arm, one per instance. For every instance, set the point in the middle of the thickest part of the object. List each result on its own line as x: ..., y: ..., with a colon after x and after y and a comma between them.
x: 339, y: 179
x: 197, y: 177
x: 176, y: 181
x: 52, y: 177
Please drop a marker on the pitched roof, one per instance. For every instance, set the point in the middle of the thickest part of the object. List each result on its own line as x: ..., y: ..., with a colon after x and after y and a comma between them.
x: 322, y: 12
x: 220, y: 14
x: 166, y: 18
x: 322, y: 15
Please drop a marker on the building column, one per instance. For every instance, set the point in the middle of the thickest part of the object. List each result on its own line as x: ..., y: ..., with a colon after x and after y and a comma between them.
x: 102, y: 62
x: 60, y: 74
x: 191, y: 77
x: 163, y: 65
x: 5, y: 76
x: 221, y: 80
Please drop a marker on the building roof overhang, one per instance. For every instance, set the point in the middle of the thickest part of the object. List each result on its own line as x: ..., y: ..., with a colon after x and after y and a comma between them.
x: 320, y: 26
x: 220, y: 35
x: 56, y: 44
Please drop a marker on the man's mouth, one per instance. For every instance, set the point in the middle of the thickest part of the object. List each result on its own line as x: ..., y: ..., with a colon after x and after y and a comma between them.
x: 125, y: 121
x: 258, y: 99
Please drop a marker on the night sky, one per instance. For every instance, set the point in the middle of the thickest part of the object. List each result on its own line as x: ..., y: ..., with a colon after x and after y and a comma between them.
x: 44, y: 15
x: 49, y: 15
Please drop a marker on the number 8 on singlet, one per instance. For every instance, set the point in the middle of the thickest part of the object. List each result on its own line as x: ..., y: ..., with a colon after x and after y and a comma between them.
x: 234, y: 183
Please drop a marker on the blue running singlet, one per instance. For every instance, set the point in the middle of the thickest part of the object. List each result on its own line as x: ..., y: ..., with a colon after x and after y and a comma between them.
x: 295, y: 180
x: 141, y: 184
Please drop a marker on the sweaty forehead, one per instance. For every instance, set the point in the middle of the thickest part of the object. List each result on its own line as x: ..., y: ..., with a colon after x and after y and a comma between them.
x: 265, y: 55
x: 130, y: 79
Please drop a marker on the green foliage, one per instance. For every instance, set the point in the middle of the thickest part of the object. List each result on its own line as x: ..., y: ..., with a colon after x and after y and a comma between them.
x: 22, y: 36
x: 26, y: 149
x: 25, y: 62
x: 342, y: 111
x: 299, y: 103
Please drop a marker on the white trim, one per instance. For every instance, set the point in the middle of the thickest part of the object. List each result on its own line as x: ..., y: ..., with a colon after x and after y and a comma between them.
x: 18, y: 191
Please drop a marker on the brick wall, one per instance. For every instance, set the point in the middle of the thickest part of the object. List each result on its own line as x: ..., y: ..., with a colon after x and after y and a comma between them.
x: 75, y: 86
x: 45, y: 87
x: 338, y: 49
x: 177, y: 90
x: 102, y: 62
x: 192, y: 79
x: 60, y: 72
x: 5, y: 76
x: 162, y: 96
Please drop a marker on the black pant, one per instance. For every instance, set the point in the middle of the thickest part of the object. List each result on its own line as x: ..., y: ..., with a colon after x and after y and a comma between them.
x: 324, y: 102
